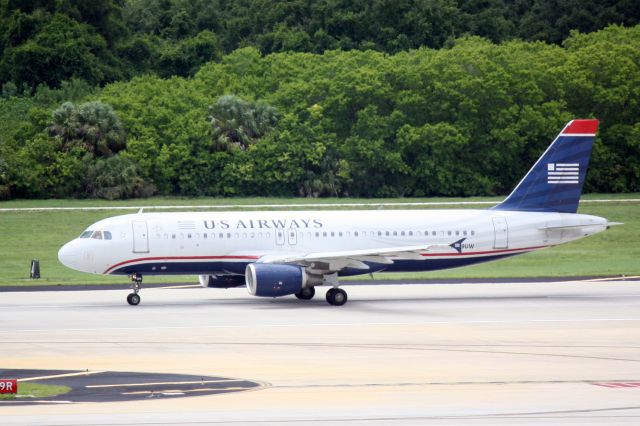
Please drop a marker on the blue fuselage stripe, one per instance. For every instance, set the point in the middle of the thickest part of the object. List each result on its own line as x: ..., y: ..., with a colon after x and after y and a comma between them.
x: 213, y: 268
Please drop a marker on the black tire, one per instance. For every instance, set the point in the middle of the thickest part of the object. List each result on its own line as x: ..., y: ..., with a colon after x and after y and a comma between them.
x: 337, y: 297
x: 306, y: 293
x: 133, y: 299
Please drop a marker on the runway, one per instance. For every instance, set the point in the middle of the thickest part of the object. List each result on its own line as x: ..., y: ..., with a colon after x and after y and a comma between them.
x: 508, y: 353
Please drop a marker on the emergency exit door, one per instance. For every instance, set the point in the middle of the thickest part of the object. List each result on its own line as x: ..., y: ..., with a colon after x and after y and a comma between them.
x: 500, y: 233
x: 140, y: 237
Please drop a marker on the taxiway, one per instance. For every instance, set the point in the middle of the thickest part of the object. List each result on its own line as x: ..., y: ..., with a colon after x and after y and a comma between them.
x: 509, y: 353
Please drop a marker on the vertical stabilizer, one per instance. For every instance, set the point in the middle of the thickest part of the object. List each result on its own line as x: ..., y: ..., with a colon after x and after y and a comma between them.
x: 554, y: 183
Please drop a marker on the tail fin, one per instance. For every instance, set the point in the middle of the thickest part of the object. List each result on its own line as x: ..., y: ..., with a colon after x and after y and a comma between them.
x: 554, y: 183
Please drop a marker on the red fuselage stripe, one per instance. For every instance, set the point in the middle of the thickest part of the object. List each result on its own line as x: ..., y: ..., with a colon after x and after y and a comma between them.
x: 483, y: 252
x: 147, y: 259
x: 169, y: 258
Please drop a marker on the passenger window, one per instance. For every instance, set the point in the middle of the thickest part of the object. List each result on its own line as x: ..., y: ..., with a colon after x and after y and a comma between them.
x: 355, y: 234
x: 107, y: 235
x: 473, y: 232
x: 457, y: 233
x: 97, y: 235
x: 204, y: 236
x: 433, y: 233
x: 448, y: 232
x: 464, y: 233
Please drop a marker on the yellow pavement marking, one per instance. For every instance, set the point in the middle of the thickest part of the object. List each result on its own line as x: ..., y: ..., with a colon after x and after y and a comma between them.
x: 56, y: 376
x: 195, y: 382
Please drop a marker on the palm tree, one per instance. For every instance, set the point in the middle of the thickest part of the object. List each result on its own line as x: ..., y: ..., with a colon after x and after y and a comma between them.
x: 94, y: 125
x: 238, y: 123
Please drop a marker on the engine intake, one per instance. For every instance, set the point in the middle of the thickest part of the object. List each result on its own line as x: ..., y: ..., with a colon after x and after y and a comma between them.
x: 271, y: 280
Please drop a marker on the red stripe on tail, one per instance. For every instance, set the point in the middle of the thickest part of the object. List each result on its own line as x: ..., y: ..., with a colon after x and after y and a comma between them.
x: 585, y: 127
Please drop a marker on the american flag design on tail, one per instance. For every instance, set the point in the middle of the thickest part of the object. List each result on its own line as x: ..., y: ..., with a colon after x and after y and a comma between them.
x: 565, y: 173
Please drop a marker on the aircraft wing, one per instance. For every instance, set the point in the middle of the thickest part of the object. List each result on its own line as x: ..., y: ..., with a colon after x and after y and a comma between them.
x: 337, y: 260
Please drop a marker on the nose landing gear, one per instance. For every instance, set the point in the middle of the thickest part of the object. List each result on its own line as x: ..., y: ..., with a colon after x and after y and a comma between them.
x: 136, y: 283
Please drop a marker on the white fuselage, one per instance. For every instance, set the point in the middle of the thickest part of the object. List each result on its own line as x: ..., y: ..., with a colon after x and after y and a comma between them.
x: 225, y: 242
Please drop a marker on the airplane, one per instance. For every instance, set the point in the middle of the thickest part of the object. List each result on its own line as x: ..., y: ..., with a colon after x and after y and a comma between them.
x: 281, y: 253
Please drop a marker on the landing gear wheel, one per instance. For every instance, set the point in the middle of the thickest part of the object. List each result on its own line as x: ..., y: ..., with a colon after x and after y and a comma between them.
x: 336, y: 297
x: 306, y: 293
x: 136, y: 283
x: 133, y: 299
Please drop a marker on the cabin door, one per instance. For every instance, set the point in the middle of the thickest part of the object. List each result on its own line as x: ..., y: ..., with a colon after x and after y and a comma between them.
x: 500, y: 232
x: 140, y: 237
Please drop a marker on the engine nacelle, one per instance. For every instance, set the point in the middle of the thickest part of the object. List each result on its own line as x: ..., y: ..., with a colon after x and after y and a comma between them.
x: 221, y: 281
x: 272, y: 280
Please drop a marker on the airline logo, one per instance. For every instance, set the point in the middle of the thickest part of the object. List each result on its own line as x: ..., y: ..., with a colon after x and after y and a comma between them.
x: 564, y: 173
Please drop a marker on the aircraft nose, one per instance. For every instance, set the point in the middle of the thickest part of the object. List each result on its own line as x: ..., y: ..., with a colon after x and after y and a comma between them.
x: 69, y: 255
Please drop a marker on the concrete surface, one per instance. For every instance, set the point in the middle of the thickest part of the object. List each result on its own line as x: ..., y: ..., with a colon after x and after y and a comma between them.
x: 525, y: 353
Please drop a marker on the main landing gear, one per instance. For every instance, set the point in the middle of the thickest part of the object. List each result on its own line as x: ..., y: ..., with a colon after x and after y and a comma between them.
x: 136, y: 282
x: 336, y: 296
x: 306, y: 293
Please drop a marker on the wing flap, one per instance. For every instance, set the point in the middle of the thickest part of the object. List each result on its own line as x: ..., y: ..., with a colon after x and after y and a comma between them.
x: 337, y: 260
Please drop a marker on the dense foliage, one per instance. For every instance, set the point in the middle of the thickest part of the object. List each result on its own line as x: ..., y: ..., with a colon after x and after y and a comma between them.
x: 465, y: 120
x: 44, y: 41
x: 126, y: 98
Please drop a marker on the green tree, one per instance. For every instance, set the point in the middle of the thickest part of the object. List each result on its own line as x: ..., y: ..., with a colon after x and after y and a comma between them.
x: 93, y: 125
x: 116, y: 177
x: 238, y: 123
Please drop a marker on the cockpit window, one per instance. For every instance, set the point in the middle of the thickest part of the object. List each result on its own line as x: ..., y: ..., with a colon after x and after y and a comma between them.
x: 97, y: 235
x: 86, y: 234
x: 107, y: 235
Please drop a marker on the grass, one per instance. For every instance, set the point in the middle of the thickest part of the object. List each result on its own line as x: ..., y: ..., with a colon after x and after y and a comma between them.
x: 35, y: 390
x: 26, y: 235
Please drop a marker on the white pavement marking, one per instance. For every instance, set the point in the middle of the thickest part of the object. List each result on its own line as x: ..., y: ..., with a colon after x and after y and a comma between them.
x: 192, y: 382
x: 57, y: 376
x: 257, y: 206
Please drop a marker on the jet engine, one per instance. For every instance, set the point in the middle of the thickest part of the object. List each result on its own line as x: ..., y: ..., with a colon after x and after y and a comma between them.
x: 271, y: 280
x: 221, y: 281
